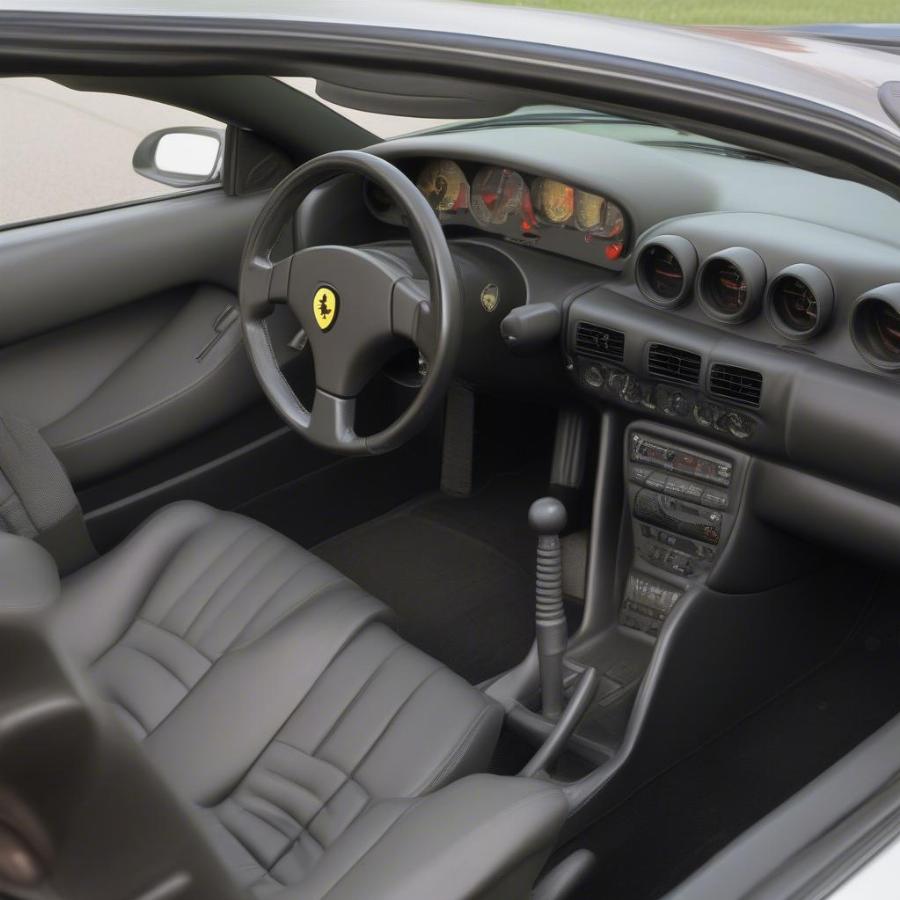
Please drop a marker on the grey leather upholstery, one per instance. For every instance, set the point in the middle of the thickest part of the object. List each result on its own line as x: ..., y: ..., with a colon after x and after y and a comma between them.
x: 267, y: 688
x: 36, y: 497
x: 28, y: 576
x: 484, y: 836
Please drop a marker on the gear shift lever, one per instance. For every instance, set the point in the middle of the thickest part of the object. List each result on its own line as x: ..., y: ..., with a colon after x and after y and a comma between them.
x: 547, y: 517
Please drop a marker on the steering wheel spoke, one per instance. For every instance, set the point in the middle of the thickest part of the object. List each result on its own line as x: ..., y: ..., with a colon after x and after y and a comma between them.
x: 333, y: 419
x: 265, y: 283
x: 412, y: 315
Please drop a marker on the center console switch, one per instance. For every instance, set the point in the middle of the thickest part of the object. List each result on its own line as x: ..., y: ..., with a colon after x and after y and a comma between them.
x: 683, y: 495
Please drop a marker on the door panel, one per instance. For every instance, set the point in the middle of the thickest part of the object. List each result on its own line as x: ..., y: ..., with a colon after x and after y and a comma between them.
x: 58, y: 272
x: 161, y: 394
x: 86, y: 353
x: 111, y: 326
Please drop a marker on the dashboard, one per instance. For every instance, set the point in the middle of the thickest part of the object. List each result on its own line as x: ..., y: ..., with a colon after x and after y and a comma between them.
x: 743, y: 300
x: 544, y: 212
x: 765, y: 252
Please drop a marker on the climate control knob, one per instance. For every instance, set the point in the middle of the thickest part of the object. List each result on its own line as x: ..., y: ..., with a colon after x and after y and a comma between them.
x: 704, y: 414
x: 738, y: 426
x: 677, y: 404
x: 630, y: 390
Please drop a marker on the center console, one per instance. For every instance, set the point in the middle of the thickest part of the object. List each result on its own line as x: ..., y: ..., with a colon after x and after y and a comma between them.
x: 683, y: 494
x: 684, y: 631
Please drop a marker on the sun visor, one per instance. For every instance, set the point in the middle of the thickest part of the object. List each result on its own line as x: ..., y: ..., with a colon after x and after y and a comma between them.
x: 416, y: 95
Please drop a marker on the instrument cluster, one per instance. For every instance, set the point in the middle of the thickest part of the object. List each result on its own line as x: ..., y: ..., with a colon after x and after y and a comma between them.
x: 529, y: 209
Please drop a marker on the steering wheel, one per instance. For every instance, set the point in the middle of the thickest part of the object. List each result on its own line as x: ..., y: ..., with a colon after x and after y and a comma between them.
x: 355, y: 305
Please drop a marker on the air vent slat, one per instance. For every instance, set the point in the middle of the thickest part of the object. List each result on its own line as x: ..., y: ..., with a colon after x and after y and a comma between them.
x: 598, y: 342
x: 736, y: 384
x: 673, y: 364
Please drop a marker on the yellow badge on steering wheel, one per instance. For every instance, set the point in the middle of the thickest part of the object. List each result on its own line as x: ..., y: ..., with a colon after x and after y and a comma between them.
x: 325, y: 307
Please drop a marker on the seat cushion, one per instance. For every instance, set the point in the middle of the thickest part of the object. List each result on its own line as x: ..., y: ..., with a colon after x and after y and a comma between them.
x: 383, y: 721
x: 266, y: 687
x: 483, y: 836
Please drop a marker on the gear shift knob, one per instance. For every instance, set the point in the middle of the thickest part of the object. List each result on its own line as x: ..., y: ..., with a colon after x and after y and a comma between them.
x: 547, y: 516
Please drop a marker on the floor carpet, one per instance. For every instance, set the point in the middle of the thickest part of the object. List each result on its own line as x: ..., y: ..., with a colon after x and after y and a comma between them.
x: 457, y: 571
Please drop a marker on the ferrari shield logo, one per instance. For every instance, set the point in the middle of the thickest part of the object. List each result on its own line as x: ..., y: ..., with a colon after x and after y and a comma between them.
x: 325, y: 307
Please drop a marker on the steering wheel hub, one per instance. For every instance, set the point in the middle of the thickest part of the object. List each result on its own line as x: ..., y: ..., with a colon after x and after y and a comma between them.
x: 342, y: 299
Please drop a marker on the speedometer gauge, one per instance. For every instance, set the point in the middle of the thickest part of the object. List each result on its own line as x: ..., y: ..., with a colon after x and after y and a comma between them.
x: 444, y: 186
x: 496, y: 195
x: 553, y: 201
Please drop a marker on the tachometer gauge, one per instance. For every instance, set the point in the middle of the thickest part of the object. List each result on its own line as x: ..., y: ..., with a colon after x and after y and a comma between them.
x: 553, y: 201
x: 496, y: 195
x: 444, y: 185
x: 597, y: 216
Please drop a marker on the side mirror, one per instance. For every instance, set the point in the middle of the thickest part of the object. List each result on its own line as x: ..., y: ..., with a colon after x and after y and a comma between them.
x: 181, y: 157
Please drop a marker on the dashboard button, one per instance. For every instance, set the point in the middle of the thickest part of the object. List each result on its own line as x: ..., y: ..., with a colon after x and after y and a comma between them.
x: 639, y: 474
x: 694, y: 492
x: 714, y: 499
x: 677, y: 487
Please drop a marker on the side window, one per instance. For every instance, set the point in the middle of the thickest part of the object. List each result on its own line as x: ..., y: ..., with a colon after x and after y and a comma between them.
x: 64, y: 151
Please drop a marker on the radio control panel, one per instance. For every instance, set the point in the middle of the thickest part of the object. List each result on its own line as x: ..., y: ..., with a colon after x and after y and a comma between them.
x: 658, y: 454
x: 683, y: 503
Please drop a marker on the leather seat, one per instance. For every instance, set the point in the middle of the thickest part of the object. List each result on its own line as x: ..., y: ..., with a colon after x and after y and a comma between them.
x: 268, y: 689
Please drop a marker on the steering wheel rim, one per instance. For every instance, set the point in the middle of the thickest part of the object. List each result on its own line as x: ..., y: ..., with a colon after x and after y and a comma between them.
x: 429, y: 316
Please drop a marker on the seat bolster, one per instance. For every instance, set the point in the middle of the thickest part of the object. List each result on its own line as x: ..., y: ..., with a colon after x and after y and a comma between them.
x: 484, y: 836
x: 28, y: 577
x: 100, y: 601
x: 210, y: 740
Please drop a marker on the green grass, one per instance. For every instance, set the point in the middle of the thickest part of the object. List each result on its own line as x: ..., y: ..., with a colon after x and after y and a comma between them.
x: 731, y: 12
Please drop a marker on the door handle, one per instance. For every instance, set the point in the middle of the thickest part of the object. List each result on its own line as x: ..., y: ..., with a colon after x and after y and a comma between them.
x: 221, y: 324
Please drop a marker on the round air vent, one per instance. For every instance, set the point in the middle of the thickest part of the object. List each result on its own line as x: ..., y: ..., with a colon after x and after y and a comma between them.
x: 875, y: 326
x: 665, y: 270
x: 799, y: 301
x: 730, y: 285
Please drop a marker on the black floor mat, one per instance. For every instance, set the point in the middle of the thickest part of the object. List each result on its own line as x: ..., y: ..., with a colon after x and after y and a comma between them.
x: 458, y: 572
x: 674, y: 824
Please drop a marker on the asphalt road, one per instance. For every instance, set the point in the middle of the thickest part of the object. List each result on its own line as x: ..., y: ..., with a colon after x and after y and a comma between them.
x: 63, y: 151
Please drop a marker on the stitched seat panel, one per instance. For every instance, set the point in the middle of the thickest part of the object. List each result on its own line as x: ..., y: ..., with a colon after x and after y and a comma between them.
x: 375, y: 726
x: 266, y: 689
x: 229, y: 582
